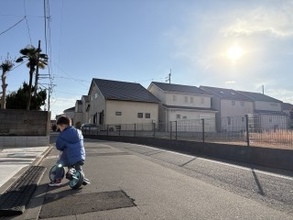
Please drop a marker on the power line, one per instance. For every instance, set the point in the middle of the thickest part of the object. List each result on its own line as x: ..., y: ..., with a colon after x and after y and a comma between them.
x: 26, y: 21
x: 13, y: 26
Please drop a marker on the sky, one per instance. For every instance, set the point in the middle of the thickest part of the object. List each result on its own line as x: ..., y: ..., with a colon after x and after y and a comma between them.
x: 242, y: 45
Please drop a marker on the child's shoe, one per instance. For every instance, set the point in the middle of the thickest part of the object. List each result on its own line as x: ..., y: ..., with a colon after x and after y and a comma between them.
x: 86, y: 181
x: 55, y: 183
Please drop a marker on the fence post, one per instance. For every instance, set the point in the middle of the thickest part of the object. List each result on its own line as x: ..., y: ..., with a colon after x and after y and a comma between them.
x: 247, y: 130
x: 107, y: 130
x: 120, y: 130
x: 154, y: 127
x: 176, y: 129
x: 203, y: 135
x: 170, y: 130
x: 134, y: 134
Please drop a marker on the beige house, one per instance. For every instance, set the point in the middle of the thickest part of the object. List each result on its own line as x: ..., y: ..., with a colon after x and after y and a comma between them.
x: 185, y: 105
x: 113, y: 104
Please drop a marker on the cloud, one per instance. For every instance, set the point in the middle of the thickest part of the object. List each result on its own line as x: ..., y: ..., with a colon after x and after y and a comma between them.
x: 281, y: 94
x: 230, y: 82
x: 271, y: 20
x: 58, y: 105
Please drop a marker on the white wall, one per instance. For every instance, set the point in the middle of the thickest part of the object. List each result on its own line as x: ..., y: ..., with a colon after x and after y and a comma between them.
x: 235, y: 108
x: 188, y: 100
x: 270, y: 106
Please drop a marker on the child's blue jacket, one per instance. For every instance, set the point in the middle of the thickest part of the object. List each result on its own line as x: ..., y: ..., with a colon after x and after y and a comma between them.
x: 70, y: 142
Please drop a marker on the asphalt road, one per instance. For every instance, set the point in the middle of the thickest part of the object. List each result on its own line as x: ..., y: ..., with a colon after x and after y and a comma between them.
x: 130, y: 181
x: 272, y: 188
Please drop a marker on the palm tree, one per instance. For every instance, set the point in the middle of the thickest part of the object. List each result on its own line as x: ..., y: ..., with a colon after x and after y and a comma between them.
x: 6, y: 66
x: 35, y: 59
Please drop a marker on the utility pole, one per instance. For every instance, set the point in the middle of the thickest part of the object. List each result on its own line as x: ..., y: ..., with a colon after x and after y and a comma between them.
x: 37, y: 68
x: 50, y: 90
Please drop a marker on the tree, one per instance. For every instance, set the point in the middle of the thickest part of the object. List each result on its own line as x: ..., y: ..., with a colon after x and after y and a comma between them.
x: 6, y: 66
x: 17, y: 100
x: 35, y: 59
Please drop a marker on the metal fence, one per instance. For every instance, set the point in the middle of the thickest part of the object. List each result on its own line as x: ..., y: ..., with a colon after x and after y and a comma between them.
x: 250, y: 130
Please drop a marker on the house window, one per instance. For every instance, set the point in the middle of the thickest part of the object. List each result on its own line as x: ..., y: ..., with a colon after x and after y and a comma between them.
x: 96, y: 95
x: 118, y: 113
x: 118, y: 127
x: 184, y: 117
x: 229, y: 120
x: 178, y: 116
x: 186, y: 99
x: 191, y: 99
x: 140, y: 115
x: 147, y: 115
x: 174, y: 98
x: 233, y: 102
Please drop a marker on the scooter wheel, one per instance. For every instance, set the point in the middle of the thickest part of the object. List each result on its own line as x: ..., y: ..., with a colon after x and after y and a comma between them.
x: 52, y: 172
x: 77, y: 180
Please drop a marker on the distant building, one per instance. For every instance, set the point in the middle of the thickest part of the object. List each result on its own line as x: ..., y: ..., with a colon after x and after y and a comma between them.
x: 81, y: 115
x: 268, y: 112
x: 70, y: 114
x: 264, y: 112
x: 186, y: 105
x: 231, y: 108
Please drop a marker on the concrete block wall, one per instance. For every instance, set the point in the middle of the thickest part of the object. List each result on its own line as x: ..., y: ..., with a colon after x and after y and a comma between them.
x: 23, y: 128
x: 271, y: 158
x: 23, y: 141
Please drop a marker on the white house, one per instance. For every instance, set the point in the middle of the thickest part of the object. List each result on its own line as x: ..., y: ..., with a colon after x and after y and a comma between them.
x: 113, y: 104
x: 231, y: 106
x: 268, y: 112
x: 187, y: 105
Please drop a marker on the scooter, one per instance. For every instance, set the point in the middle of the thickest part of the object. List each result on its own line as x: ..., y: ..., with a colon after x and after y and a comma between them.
x: 74, y: 175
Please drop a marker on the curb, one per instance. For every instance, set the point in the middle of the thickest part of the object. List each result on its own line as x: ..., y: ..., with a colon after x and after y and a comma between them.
x: 6, y: 186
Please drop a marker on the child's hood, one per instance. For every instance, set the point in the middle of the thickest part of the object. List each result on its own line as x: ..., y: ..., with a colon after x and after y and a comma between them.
x: 71, y: 134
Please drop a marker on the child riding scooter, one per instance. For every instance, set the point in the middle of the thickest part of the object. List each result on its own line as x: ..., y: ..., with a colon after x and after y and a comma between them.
x: 70, y: 144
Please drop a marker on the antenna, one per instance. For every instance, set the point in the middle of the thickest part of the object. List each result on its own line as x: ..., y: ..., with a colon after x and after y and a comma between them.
x: 168, y: 78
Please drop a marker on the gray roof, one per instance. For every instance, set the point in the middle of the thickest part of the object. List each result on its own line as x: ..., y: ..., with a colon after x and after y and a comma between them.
x: 228, y: 94
x: 69, y: 109
x: 287, y: 106
x: 124, y: 91
x: 86, y: 98
x: 259, y: 97
x: 179, y: 88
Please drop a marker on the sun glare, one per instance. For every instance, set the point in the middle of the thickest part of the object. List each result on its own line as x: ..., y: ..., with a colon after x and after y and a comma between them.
x: 234, y: 53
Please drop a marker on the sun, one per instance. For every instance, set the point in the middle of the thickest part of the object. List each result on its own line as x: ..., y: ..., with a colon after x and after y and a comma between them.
x: 235, y: 52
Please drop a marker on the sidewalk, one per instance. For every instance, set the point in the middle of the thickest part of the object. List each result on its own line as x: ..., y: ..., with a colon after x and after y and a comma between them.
x: 15, y: 161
